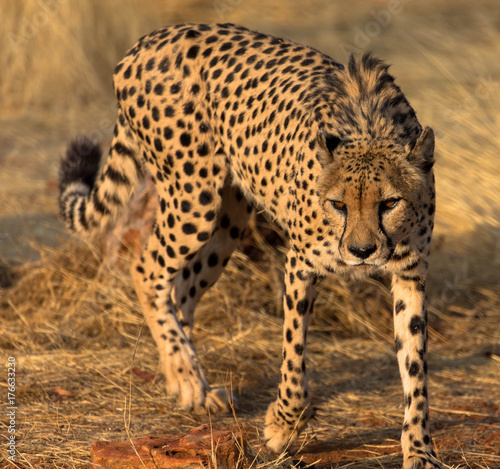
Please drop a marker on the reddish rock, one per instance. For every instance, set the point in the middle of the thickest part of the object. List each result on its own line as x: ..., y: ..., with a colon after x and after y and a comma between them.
x: 205, y: 445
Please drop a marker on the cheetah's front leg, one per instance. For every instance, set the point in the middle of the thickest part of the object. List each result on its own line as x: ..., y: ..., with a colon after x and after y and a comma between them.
x: 410, y: 329
x: 289, y: 414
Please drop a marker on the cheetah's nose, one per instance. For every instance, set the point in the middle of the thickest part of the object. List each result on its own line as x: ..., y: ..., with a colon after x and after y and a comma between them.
x: 362, y: 251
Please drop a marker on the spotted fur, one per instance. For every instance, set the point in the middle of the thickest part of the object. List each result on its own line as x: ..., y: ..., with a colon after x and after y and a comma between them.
x: 225, y: 119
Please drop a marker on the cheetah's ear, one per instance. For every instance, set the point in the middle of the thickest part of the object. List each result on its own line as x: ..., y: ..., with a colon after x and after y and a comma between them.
x: 422, y: 154
x: 328, y: 143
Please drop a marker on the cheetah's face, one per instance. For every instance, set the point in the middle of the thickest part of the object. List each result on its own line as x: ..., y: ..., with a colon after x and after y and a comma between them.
x: 371, y: 196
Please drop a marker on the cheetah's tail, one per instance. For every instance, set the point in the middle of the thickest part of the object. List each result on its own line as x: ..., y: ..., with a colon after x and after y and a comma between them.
x: 90, y: 203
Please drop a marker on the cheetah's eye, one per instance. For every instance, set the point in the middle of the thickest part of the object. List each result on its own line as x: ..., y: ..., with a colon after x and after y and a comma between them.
x: 337, y: 205
x: 389, y: 204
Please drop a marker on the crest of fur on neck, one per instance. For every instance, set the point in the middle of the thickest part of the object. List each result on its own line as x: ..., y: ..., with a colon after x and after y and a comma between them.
x: 364, y: 103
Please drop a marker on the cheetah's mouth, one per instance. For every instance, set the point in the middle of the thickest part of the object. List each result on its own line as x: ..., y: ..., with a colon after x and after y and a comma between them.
x: 364, y: 266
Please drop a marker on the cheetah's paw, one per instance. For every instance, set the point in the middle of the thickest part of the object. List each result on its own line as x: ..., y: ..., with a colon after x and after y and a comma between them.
x: 426, y: 461
x: 278, y: 433
x: 189, y: 393
x: 219, y: 400
x: 186, y: 381
x: 196, y: 396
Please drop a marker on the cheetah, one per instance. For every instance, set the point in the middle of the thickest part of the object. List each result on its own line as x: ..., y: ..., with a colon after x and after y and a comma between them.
x: 226, y: 119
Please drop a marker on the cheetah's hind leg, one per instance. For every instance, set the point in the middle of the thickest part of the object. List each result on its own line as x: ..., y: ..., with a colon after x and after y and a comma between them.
x: 185, y: 378
x: 205, y: 268
x: 169, y: 286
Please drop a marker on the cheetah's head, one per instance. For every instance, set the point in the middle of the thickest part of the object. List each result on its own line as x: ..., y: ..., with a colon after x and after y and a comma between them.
x: 372, y: 194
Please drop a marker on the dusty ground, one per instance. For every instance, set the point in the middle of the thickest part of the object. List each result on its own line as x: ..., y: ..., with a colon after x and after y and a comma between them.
x: 75, y: 330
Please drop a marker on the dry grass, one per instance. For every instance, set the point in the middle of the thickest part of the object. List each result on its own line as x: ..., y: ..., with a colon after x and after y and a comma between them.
x: 74, y: 326
x: 87, y: 37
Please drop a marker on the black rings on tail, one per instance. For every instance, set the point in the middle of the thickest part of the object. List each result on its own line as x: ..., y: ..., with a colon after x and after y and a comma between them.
x: 80, y: 164
x: 77, y: 175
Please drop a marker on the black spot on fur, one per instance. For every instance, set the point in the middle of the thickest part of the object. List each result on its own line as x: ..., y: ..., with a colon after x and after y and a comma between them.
x: 302, y: 307
x: 413, y: 369
x: 398, y: 345
x: 417, y: 325
x: 205, y: 198
x: 193, y: 52
x: 189, y: 228
x: 213, y: 260
x: 400, y: 306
